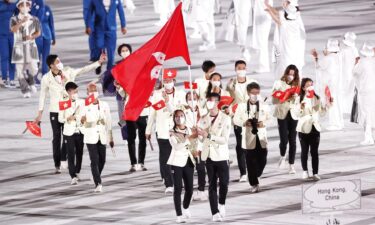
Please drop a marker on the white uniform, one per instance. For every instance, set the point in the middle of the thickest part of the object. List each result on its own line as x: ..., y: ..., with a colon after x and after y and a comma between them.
x: 310, y: 115
x: 181, y: 150
x: 242, y: 10
x: 76, y: 109
x: 164, y: 8
x: 206, y: 22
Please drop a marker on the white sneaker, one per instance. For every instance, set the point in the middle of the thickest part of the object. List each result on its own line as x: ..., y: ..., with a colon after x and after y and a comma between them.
x: 180, y: 219
x: 133, y: 168
x: 169, y: 190
x: 246, y: 55
x: 186, y: 213
x: 27, y: 95
x: 57, y: 170
x: 367, y: 142
x: 98, y: 188
x: 33, y: 89
x: 222, y: 210
x: 282, y: 162
x: 243, y: 178
x: 207, y: 47
x: 64, y: 165
x: 195, y: 35
x: 316, y: 177
x: 200, y: 196
x: 305, y: 175
x: 217, y: 218
x: 74, y: 181
x: 78, y: 177
x: 255, y: 189
x: 292, y: 170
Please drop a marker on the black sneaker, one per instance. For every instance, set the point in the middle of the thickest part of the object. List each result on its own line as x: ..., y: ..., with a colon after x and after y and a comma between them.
x: 98, y: 70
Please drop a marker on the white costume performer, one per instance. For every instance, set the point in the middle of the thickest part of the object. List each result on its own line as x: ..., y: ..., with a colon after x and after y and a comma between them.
x: 206, y: 23
x: 329, y: 74
x: 189, y: 10
x: 348, y: 53
x: 364, y: 74
x: 165, y: 9
x: 261, y: 31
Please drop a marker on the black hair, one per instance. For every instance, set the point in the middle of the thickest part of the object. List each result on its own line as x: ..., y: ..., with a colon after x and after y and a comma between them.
x: 209, y: 87
x: 207, y: 65
x: 213, y: 95
x: 238, y: 62
x: 303, y: 92
x: 295, y: 82
x: 124, y: 45
x: 70, y: 86
x: 251, y: 86
x: 286, y: 14
x: 189, y: 93
x: 51, y: 60
x: 174, y: 115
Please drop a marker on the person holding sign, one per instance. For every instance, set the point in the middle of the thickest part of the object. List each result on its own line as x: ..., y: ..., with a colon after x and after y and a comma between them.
x: 285, y: 93
x: 308, y: 126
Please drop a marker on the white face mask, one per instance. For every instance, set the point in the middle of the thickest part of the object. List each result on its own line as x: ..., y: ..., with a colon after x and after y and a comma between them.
x: 125, y: 54
x: 290, y: 78
x: 96, y: 94
x: 180, y: 120
x: 60, y: 66
x: 24, y: 10
x: 210, y: 105
x: 75, y: 96
x: 253, y: 98
x: 192, y: 104
x: 216, y: 83
x: 169, y: 86
x: 241, y: 73
x: 311, y: 88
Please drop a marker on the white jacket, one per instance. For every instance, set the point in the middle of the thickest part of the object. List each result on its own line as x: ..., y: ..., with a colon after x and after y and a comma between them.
x: 71, y: 127
x: 162, y: 118
x: 50, y: 86
x: 282, y: 109
x: 98, y: 125
x: 309, y: 116
x: 181, y: 150
x: 216, y: 148
x: 238, y: 91
x: 242, y: 115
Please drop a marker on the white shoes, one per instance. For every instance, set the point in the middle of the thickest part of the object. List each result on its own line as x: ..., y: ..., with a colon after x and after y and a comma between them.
x: 367, y: 142
x: 282, y: 162
x: 33, y: 89
x: 207, y: 47
x: 133, y: 168
x: 57, y: 170
x: 78, y: 177
x: 246, y: 55
x: 200, y: 196
x: 222, y: 210
x: 64, y: 165
x: 243, y: 178
x: 98, y: 188
x: 292, y: 170
x: 27, y: 95
x: 195, y: 35
x: 186, y: 213
x: 180, y: 219
x: 255, y: 189
x: 316, y: 177
x: 217, y: 218
x: 305, y: 175
x: 169, y: 190
x: 74, y: 181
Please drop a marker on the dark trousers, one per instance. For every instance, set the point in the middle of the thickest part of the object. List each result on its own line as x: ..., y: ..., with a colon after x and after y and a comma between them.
x: 217, y: 170
x: 241, y: 158
x: 74, y: 147
x: 310, y: 142
x: 256, y: 160
x: 201, y: 170
x: 184, y: 174
x: 165, y: 149
x: 59, y: 151
x: 97, y: 154
x: 288, y: 134
x: 132, y: 127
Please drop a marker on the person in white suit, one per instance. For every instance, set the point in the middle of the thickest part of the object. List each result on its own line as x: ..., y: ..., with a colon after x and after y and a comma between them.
x: 97, y: 131
x: 242, y: 10
x: 253, y: 115
x: 214, y: 130
x: 208, y: 68
x: 348, y: 53
x: 182, y: 161
x: 164, y: 8
x: 71, y: 118
x: 206, y: 24
x: 363, y: 73
x: 290, y: 36
x: 328, y: 74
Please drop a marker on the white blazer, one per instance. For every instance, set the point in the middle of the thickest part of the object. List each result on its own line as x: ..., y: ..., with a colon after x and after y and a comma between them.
x: 181, y: 150
x: 238, y: 91
x: 216, y: 147
x: 71, y: 127
x: 98, y: 125
x: 282, y: 109
x: 310, y: 115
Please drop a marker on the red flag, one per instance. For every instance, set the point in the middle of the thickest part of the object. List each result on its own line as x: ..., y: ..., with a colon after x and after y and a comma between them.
x: 234, y: 108
x: 148, y: 104
x: 159, y: 105
x: 193, y: 85
x: 328, y: 93
x: 138, y: 73
x: 225, y: 101
x: 310, y: 94
x: 65, y: 104
x: 34, y: 128
x: 89, y: 100
x: 169, y: 73
x: 278, y: 94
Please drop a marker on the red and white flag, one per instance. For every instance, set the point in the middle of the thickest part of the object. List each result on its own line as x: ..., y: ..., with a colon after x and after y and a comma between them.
x: 278, y: 94
x: 159, y: 105
x: 89, y: 100
x: 63, y: 105
x: 327, y: 93
x: 138, y: 73
x: 34, y: 128
x: 193, y: 85
x: 169, y: 73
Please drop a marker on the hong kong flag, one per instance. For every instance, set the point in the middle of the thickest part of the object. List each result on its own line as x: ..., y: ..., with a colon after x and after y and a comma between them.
x: 138, y: 73
x: 193, y: 85
x: 63, y: 105
x: 159, y: 105
x: 89, y: 100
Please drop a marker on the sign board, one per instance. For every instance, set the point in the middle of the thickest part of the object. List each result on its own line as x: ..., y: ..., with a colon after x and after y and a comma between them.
x: 331, y: 196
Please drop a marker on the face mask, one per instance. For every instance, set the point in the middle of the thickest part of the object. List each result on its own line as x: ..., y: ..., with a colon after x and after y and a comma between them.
x: 290, y: 78
x: 96, y: 94
x: 210, y: 105
x: 25, y: 10
x: 253, y: 98
x: 60, y: 66
x: 125, y: 54
x: 180, y: 120
x: 169, y: 86
x: 241, y: 73
x: 311, y: 88
x: 192, y: 104
x: 75, y: 96
x: 216, y: 83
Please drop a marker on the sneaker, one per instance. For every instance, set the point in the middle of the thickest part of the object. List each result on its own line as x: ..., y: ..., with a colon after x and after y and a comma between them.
x: 33, y: 89
x: 195, y: 35
x: 64, y: 165
x: 305, y: 175
x: 243, y: 178
x: 217, y: 218
x: 180, y: 219
x: 200, y: 196
x: 133, y: 168
x: 27, y: 95
x: 6, y: 83
x: 292, y: 170
x: 282, y: 162
x: 207, y: 47
x: 74, y: 181
x: 57, y: 170
x: 78, y: 177
x: 186, y: 213
x: 255, y: 189
x: 367, y: 142
x: 142, y: 167
x: 12, y: 84
x: 98, y: 188
x: 222, y: 210
x: 168, y: 190
x: 316, y: 177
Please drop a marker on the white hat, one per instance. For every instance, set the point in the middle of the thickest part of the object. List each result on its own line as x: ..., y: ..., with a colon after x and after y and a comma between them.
x: 349, y: 39
x: 367, y: 50
x: 293, y: 2
x: 23, y: 1
x: 333, y: 45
